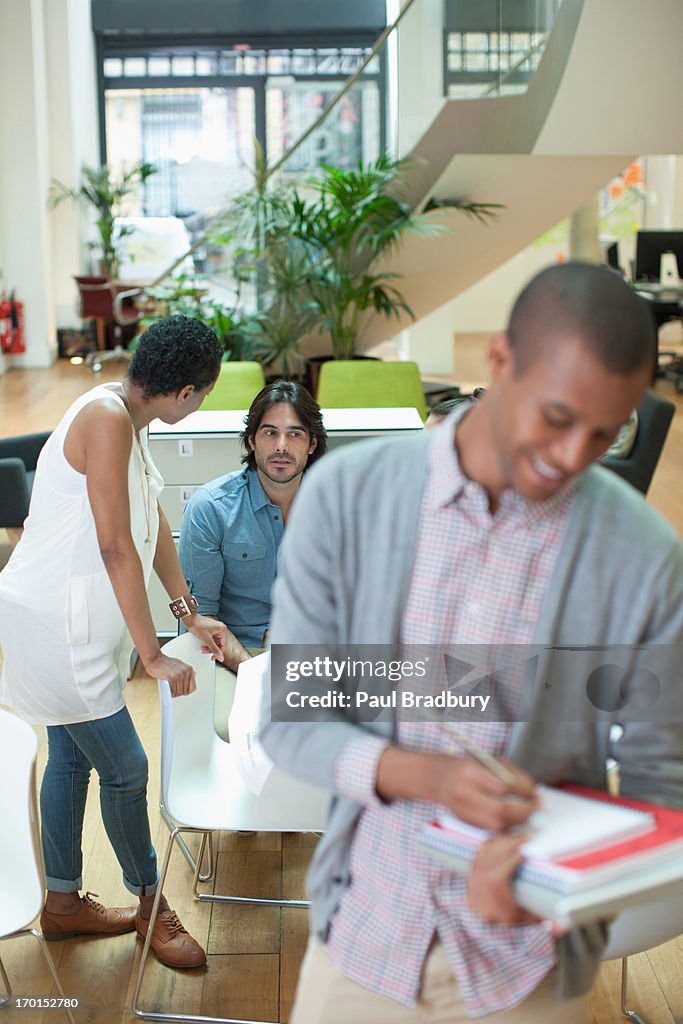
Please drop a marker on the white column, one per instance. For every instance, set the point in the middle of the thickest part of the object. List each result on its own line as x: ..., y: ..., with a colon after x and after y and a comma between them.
x: 72, y: 107
x: 420, y: 70
x: 48, y: 128
x: 24, y: 174
x: 662, y: 184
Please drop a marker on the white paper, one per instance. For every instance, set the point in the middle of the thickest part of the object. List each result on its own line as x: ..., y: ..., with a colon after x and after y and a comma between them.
x: 567, y: 824
x: 252, y: 690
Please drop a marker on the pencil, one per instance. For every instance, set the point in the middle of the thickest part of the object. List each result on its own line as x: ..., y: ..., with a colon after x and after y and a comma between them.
x: 479, y: 754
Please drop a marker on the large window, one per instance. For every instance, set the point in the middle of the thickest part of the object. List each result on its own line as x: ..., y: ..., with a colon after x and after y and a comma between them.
x: 494, y: 46
x: 195, y: 115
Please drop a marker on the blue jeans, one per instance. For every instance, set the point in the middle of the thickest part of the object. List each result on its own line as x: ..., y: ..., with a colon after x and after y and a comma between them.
x: 112, y: 747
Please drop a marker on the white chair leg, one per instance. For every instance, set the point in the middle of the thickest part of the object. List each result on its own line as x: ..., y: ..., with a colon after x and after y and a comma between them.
x: 631, y: 1014
x: 137, y: 1010
x: 186, y: 852
x: 187, y: 1018
x: 4, y: 1000
x: 211, y: 897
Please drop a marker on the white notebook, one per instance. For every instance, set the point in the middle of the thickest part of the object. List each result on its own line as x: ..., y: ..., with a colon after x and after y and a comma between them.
x: 566, y: 824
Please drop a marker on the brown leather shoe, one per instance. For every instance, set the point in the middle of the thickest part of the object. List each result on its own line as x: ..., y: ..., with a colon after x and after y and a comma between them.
x: 173, y: 944
x: 88, y: 918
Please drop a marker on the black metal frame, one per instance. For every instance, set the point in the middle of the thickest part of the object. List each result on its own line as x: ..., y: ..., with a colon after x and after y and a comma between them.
x: 125, y: 45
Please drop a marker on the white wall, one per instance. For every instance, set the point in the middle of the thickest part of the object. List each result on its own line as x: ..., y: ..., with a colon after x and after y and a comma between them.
x: 24, y: 173
x: 420, y: 90
x: 72, y: 105
x: 48, y: 127
x: 485, y: 306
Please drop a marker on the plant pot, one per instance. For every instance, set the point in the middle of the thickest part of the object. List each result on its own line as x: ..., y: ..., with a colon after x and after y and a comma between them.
x: 312, y: 371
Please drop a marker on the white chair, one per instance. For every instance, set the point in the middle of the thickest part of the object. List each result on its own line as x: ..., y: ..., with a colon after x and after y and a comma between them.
x: 202, y: 791
x: 638, y: 929
x: 22, y: 881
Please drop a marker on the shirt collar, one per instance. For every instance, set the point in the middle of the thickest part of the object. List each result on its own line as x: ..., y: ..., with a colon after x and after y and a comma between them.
x: 447, y: 483
x: 259, y: 498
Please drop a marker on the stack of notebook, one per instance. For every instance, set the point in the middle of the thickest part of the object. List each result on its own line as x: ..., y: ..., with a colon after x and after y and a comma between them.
x: 588, y: 854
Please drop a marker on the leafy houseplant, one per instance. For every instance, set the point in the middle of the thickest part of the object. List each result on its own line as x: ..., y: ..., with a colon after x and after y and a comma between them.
x: 355, y: 218
x: 104, y: 192
x: 187, y: 296
x: 313, y: 253
x: 266, y: 256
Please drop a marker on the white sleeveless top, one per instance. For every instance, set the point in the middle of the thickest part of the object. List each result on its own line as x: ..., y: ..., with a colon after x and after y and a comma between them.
x: 65, y: 644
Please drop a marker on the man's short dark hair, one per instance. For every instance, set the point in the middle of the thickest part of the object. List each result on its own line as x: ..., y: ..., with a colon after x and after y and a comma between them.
x: 591, y: 303
x: 173, y: 353
x: 306, y: 409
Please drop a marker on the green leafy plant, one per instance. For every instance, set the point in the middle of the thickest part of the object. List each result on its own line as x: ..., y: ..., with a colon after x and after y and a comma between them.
x: 314, y: 252
x: 188, y: 297
x: 266, y: 257
x: 357, y: 219
x: 105, y: 192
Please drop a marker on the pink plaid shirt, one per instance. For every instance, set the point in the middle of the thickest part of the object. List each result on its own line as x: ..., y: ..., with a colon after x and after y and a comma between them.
x: 477, y: 579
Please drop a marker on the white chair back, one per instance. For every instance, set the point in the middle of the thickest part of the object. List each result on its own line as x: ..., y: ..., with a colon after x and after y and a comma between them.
x: 22, y: 889
x: 642, y: 927
x: 200, y: 782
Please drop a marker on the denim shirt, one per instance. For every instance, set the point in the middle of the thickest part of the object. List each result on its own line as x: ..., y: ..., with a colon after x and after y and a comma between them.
x: 229, y: 539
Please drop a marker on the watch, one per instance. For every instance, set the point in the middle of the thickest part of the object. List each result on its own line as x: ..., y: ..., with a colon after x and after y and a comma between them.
x: 184, y: 606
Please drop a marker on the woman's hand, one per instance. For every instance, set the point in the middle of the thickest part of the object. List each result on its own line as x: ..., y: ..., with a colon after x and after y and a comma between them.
x: 180, y: 677
x: 212, y: 634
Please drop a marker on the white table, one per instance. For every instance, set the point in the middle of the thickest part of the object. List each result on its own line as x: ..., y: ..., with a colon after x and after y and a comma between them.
x: 206, y: 445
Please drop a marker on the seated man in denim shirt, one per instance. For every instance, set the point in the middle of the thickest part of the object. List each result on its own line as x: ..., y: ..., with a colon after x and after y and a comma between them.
x: 232, y: 527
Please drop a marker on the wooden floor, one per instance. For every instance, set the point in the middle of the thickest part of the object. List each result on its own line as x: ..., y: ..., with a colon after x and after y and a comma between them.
x: 253, y: 954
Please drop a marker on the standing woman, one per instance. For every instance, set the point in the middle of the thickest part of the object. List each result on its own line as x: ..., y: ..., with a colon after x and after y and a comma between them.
x: 73, y: 603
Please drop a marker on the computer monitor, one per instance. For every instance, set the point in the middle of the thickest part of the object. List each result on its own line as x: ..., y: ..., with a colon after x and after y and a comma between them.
x: 649, y: 248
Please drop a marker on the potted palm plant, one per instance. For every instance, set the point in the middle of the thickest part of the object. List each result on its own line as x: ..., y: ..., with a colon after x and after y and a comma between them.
x: 188, y: 296
x: 272, y: 266
x: 354, y: 220
x: 104, y: 191
x: 314, y: 253
x: 358, y: 218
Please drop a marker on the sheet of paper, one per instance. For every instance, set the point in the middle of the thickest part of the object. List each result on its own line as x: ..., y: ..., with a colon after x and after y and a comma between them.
x: 567, y: 824
x: 253, y: 678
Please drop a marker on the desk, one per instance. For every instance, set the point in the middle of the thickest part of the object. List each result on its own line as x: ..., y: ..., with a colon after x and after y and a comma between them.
x: 206, y: 445
x: 665, y: 303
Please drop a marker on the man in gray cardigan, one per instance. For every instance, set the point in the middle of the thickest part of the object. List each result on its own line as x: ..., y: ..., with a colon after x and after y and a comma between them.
x: 493, y: 529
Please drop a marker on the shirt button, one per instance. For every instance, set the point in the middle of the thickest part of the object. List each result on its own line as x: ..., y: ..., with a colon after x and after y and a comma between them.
x: 245, y: 555
x: 276, y: 517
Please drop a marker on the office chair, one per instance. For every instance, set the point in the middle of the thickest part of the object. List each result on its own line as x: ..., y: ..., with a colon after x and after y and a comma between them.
x: 102, y: 301
x: 237, y: 386
x: 654, y: 419
x: 370, y: 383
x: 18, y: 458
x: 22, y: 882
x: 202, y: 790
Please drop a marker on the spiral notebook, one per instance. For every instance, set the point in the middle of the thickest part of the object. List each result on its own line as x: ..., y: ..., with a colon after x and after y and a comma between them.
x: 568, y: 822
x: 590, y: 853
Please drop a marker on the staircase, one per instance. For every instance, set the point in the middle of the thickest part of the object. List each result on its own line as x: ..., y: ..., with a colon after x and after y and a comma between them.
x: 607, y: 89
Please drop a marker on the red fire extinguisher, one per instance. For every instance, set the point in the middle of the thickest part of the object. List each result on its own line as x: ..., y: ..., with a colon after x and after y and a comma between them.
x: 17, y: 320
x: 5, y: 323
